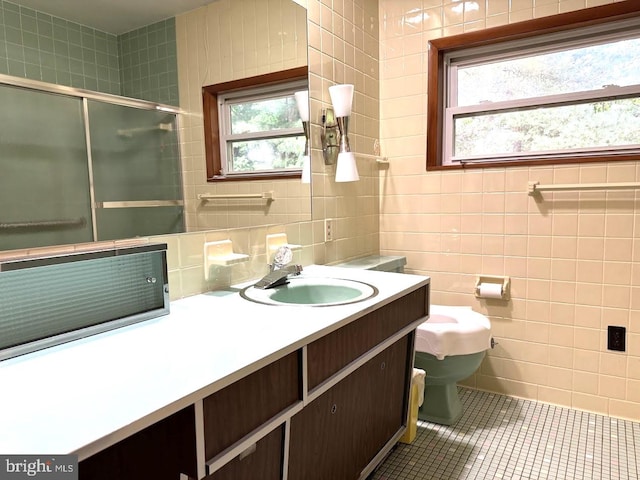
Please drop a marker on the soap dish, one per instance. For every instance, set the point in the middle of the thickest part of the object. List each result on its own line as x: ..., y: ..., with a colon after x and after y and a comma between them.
x: 221, y: 254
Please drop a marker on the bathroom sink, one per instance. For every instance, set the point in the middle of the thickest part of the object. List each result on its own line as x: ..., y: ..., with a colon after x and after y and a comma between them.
x: 312, y: 292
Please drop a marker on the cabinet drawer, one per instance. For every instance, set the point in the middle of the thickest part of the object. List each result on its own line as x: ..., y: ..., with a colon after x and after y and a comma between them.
x: 243, y: 406
x: 263, y: 461
x: 329, y: 354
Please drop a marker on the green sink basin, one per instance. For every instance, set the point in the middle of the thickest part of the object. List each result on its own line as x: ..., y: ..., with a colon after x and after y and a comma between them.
x: 312, y: 292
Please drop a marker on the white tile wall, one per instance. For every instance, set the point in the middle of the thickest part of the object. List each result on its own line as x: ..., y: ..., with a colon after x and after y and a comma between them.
x: 572, y: 257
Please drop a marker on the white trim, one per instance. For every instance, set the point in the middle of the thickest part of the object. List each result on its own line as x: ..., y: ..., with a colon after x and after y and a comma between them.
x: 535, y: 187
x: 305, y: 375
x: 92, y: 188
x: 263, y: 91
x: 285, y: 449
x: 247, y: 95
x: 382, y: 454
x: 546, y: 43
x: 89, y: 94
x: 228, y: 454
x: 611, y: 92
x: 538, y: 155
x: 556, y: 42
x: 262, y: 135
x: 139, y: 204
x: 200, y: 446
x: 552, y: 101
x: 227, y: 196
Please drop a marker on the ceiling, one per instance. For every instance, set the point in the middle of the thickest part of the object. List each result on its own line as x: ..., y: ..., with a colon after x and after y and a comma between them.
x: 113, y: 16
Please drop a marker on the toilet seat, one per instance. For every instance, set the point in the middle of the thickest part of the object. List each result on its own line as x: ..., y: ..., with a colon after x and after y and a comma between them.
x: 453, y: 331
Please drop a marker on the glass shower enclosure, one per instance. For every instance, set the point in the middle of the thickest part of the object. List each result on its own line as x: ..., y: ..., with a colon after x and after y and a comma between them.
x: 78, y: 166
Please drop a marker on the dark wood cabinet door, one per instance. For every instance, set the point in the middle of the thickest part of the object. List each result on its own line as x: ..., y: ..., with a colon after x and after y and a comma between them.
x: 384, y: 395
x: 330, y: 353
x: 321, y: 442
x: 339, y: 433
x: 236, y: 410
x: 162, y: 451
x: 264, y: 463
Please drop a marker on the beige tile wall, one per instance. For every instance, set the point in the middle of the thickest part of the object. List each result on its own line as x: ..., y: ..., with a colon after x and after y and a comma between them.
x: 185, y: 256
x: 343, y: 48
x: 224, y: 41
x: 573, y: 258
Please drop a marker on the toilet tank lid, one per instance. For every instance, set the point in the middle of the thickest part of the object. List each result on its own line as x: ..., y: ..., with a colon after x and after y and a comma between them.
x: 385, y: 263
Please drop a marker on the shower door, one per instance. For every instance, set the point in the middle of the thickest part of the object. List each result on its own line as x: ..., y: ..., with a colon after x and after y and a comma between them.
x: 136, y: 171
x: 44, y: 177
x: 78, y: 166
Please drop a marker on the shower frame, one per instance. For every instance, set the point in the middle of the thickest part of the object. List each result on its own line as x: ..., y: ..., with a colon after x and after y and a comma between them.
x: 85, y: 96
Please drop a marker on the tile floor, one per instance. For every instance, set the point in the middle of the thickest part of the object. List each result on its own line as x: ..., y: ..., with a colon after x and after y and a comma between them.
x: 499, y: 437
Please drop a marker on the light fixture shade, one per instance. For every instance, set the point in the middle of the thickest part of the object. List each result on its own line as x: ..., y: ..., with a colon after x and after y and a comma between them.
x: 346, y: 169
x: 342, y: 99
x: 306, y: 169
x: 302, y: 101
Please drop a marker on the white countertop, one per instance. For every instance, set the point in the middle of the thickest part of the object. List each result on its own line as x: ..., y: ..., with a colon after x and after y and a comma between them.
x: 87, y: 394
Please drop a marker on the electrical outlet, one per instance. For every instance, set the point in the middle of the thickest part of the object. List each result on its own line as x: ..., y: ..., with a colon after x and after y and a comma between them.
x: 616, y: 338
x: 328, y: 230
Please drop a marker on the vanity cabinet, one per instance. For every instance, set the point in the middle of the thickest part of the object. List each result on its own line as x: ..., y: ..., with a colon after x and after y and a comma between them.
x: 331, y: 409
x: 338, y: 434
x: 164, y: 451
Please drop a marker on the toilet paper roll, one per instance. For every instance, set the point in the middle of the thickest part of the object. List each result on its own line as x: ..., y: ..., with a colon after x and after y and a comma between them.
x: 490, y: 290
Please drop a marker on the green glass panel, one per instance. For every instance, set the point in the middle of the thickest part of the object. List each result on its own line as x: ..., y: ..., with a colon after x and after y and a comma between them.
x: 115, y: 223
x: 69, y: 297
x: 44, y: 193
x: 135, y: 154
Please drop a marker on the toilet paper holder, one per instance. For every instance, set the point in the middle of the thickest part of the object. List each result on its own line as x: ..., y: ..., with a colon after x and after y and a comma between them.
x: 496, y: 287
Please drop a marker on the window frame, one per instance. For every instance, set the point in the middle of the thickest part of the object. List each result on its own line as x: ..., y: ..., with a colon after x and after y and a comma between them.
x: 212, y: 127
x: 442, y: 48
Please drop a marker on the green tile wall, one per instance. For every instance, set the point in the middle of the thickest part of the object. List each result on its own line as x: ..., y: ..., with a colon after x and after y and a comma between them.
x: 39, y: 46
x: 140, y: 64
x: 148, y: 63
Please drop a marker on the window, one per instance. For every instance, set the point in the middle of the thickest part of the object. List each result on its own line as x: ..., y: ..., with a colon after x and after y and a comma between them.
x: 558, y: 89
x: 252, y: 127
x: 261, y: 130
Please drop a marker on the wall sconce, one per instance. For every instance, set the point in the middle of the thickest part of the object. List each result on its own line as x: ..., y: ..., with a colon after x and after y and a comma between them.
x: 335, y: 134
x: 302, y: 102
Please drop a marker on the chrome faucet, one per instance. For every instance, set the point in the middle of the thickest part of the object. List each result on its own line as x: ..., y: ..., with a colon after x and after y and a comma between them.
x: 279, y: 270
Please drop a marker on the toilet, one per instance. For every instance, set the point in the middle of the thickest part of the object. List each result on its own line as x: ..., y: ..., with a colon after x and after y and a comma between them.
x: 449, y: 346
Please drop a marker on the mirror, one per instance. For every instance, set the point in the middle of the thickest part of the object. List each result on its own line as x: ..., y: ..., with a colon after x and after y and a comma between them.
x: 210, y: 48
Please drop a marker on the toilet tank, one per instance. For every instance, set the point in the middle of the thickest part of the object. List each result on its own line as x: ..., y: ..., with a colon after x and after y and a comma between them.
x: 384, y: 263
